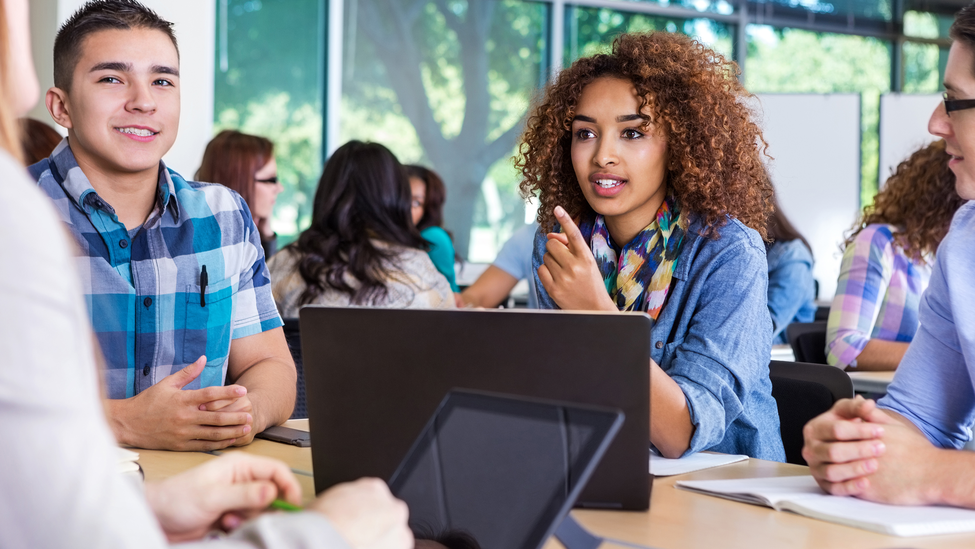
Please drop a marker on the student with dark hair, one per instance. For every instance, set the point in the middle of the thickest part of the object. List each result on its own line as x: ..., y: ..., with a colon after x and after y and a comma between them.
x: 246, y: 164
x: 791, y: 287
x: 173, y: 271
x: 428, y: 196
x: 59, y: 481
x: 905, y: 448
x: 887, y: 263
x: 37, y: 139
x: 654, y: 198
x: 362, y: 248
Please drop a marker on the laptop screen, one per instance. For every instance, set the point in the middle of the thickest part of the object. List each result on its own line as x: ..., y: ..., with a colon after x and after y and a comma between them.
x: 501, y: 470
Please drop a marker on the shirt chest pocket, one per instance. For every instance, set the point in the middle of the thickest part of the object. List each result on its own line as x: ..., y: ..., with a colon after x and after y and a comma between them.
x: 207, y: 327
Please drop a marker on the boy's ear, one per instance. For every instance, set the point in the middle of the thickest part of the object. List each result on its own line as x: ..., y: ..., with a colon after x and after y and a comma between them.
x: 57, y: 104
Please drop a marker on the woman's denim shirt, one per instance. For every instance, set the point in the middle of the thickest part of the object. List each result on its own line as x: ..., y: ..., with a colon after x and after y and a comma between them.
x: 791, y: 287
x: 713, y: 337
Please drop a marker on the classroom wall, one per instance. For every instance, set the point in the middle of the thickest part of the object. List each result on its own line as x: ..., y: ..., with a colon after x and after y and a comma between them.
x: 903, y: 128
x: 195, y: 23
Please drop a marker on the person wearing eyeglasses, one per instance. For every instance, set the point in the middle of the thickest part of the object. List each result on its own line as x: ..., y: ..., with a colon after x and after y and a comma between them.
x: 887, y: 263
x: 904, y: 449
x: 246, y: 164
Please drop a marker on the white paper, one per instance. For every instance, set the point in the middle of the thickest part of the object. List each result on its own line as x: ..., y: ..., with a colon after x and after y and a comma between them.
x: 663, y: 467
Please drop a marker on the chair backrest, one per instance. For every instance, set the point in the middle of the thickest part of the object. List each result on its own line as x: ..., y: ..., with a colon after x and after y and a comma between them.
x: 822, y: 313
x: 808, y: 341
x: 802, y: 391
x: 293, y: 334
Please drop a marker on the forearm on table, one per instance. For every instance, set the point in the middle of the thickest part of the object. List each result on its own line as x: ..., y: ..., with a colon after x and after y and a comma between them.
x: 670, y: 418
x: 270, y: 387
x: 879, y: 354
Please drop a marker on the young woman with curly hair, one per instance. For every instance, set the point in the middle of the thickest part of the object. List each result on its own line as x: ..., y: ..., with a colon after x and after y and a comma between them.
x: 887, y: 263
x: 648, y: 169
x: 362, y: 248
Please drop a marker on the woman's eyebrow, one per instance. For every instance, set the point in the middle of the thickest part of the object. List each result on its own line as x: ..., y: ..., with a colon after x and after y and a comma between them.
x: 630, y: 117
x: 620, y: 118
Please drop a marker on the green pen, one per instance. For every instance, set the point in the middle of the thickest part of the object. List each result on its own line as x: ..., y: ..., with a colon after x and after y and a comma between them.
x: 284, y: 505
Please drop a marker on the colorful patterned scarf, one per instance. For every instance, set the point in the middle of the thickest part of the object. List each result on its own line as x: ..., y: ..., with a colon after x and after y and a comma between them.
x: 638, y: 276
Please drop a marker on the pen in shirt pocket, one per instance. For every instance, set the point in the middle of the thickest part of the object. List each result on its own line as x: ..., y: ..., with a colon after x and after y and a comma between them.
x: 203, y: 286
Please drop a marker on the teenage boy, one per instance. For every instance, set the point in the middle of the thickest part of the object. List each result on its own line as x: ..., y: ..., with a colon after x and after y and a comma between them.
x: 173, y: 271
x: 904, y: 449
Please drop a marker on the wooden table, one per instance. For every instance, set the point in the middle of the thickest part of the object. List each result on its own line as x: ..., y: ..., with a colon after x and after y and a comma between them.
x: 871, y: 382
x: 677, y: 519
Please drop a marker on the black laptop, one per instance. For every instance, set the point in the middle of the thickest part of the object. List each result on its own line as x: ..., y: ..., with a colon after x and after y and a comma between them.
x: 501, y: 470
x: 374, y: 376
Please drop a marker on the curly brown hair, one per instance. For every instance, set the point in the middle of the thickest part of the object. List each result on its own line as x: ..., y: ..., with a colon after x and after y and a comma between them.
x: 919, y: 200
x: 714, y: 170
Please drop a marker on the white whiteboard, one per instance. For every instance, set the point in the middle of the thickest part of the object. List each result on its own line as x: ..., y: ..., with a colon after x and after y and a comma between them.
x: 814, y: 141
x: 903, y: 128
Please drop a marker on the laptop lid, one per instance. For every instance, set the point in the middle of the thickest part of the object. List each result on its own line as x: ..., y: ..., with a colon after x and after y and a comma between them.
x: 504, y: 470
x: 373, y: 377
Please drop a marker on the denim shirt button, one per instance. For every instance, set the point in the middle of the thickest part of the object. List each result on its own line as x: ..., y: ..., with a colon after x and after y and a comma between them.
x: 659, y: 345
x: 145, y: 371
x: 123, y: 243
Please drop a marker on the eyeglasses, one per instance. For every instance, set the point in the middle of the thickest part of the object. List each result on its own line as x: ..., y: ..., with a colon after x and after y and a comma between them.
x: 274, y: 180
x: 957, y: 104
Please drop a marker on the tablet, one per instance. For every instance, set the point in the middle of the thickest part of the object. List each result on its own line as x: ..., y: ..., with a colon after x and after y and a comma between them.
x: 502, y: 470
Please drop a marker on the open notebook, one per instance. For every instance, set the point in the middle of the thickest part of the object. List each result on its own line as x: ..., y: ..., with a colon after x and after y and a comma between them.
x: 802, y: 495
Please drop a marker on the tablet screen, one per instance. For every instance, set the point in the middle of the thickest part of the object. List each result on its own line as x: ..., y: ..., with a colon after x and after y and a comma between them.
x: 500, y: 470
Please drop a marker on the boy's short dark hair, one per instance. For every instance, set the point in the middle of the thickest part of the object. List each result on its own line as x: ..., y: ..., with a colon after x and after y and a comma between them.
x: 97, y: 16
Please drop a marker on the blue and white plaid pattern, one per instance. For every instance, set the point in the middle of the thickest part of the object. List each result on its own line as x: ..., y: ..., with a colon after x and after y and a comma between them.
x: 144, y: 292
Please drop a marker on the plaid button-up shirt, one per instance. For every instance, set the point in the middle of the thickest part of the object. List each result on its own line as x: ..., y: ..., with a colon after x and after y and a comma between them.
x: 878, y: 294
x: 151, y: 308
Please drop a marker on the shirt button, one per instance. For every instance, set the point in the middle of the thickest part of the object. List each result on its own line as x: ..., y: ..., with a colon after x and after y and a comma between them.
x: 145, y: 371
x: 147, y: 301
x: 123, y: 243
x: 660, y: 345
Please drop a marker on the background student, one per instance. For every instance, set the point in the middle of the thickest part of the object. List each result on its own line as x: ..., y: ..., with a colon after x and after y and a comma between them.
x: 428, y: 194
x: 362, y: 248
x: 887, y: 263
x: 37, y: 139
x: 172, y: 271
x: 791, y: 287
x: 246, y: 164
x: 59, y: 479
x: 513, y: 263
x: 660, y: 207
x: 905, y: 450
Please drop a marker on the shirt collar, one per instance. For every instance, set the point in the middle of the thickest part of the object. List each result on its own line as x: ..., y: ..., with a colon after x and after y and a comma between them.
x: 78, y: 188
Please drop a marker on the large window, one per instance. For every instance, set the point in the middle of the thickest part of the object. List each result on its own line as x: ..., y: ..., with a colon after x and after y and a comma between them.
x: 269, y: 77
x: 591, y: 30
x: 798, y: 61
x: 447, y: 83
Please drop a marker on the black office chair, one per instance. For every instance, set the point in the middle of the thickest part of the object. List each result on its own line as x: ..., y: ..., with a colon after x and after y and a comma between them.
x: 822, y: 313
x: 808, y: 341
x: 802, y: 391
x: 292, y: 333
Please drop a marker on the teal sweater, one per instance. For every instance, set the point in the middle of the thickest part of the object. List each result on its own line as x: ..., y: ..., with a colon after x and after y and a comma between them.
x: 441, y: 253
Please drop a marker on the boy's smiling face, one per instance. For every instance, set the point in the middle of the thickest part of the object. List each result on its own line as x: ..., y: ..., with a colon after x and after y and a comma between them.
x: 122, y: 112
